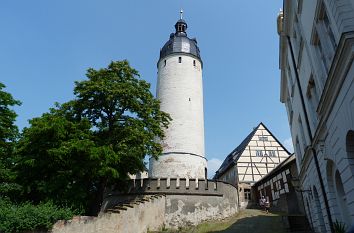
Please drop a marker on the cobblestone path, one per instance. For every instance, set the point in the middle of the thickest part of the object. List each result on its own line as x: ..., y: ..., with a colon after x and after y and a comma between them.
x: 246, y: 221
x: 254, y: 221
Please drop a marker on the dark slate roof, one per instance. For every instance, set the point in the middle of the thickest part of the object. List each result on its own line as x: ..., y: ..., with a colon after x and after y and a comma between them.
x: 179, y: 42
x: 232, y: 158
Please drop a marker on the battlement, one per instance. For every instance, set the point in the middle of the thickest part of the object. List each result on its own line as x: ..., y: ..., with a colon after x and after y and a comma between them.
x: 187, y: 201
x: 172, y: 186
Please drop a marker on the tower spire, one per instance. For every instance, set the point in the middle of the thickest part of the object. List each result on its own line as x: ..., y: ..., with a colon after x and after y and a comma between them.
x: 181, y: 13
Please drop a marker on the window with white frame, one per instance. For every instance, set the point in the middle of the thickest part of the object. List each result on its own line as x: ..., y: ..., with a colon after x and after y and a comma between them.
x: 320, y: 52
x: 313, y: 99
x: 290, y: 109
x: 298, y: 152
x: 302, y: 135
x: 262, y: 138
x: 299, y: 6
x: 323, y: 38
x: 291, y: 83
x: 259, y: 153
x: 271, y: 153
x: 297, y: 38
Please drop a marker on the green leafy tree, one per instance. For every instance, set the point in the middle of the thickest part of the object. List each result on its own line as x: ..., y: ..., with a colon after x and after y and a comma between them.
x: 126, y: 116
x: 80, y: 148
x: 56, y: 160
x: 8, y: 135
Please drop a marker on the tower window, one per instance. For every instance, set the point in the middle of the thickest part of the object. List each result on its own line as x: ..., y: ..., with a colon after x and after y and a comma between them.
x: 180, y: 28
x: 165, y: 63
x: 193, y: 62
x: 179, y: 59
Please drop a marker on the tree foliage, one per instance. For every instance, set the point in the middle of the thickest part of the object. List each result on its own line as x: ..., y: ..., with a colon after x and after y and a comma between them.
x: 8, y: 135
x: 56, y: 160
x: 125, y: 114
x: 8, y: 130
x: 73, y: 153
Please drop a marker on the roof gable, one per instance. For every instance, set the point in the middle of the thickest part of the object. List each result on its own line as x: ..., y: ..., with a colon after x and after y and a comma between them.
x: 259, y: 133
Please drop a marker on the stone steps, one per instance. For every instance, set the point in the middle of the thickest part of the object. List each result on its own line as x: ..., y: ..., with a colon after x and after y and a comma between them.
x: 123, y: 206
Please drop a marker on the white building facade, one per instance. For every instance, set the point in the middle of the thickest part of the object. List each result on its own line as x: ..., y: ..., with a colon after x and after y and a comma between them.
x: 180, y: 90
x: 317, y: 88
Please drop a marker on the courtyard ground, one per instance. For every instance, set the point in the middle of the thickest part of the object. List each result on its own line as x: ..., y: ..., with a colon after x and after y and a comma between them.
x: 246, y: 221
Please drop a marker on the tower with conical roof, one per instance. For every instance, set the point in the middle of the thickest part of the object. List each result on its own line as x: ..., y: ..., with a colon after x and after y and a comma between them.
x: 180, y: 90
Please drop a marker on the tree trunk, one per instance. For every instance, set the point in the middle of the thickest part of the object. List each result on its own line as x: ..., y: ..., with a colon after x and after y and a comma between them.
x: 96, y: 205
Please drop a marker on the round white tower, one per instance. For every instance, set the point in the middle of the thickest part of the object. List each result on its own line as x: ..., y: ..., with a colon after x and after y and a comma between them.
x: 180, y: 90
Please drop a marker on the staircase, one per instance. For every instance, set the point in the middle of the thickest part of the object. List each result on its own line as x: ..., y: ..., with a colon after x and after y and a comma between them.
x: 130, y: 203
x: 135, y: 215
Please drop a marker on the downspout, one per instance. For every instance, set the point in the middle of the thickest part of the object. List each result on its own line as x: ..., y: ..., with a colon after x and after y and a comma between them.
x: 310, y: 135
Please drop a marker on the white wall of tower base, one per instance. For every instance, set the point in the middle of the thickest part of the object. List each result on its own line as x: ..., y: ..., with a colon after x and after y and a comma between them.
x: 180, y: 90
x: 178, y: 165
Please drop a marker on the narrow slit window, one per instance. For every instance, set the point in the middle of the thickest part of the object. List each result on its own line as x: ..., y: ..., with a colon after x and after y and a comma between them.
x: 193, y: 62
x: 179, y: 59
x: 165, y: 63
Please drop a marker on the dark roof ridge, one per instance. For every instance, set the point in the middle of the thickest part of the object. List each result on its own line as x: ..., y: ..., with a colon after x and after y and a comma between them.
x: 239, y: 150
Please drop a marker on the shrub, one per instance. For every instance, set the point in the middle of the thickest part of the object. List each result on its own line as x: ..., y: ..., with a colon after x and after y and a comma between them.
x: 339, y: 227
x: 29, y: 217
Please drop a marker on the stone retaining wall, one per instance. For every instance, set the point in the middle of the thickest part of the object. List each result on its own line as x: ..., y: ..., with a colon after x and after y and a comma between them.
x: 172, y: 203
x: 188, y: 201
x: 139, y: 218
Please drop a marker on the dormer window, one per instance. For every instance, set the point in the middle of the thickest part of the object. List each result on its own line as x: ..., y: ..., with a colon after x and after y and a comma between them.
x: 180, y: 28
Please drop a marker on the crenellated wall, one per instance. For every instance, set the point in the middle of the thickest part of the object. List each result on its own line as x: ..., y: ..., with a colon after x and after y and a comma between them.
x: 188, y: 201
x: 171, y: 186
x: 152, y: 204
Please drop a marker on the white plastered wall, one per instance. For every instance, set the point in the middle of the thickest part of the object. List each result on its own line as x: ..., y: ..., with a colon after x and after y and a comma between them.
x: 180, y: 91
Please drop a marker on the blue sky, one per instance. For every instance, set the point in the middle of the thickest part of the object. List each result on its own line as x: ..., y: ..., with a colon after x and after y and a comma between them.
x: 46, y: 45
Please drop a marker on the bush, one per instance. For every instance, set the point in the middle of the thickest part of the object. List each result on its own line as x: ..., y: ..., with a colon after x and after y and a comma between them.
x: 339, y: 227
x: 29, y: 217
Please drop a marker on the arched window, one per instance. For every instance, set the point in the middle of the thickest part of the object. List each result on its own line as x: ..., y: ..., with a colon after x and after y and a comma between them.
x: 331, y: 167
x: 350, y: 149
x: 336, y: 193
x: 309, y: 212
x: 342, y: 199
